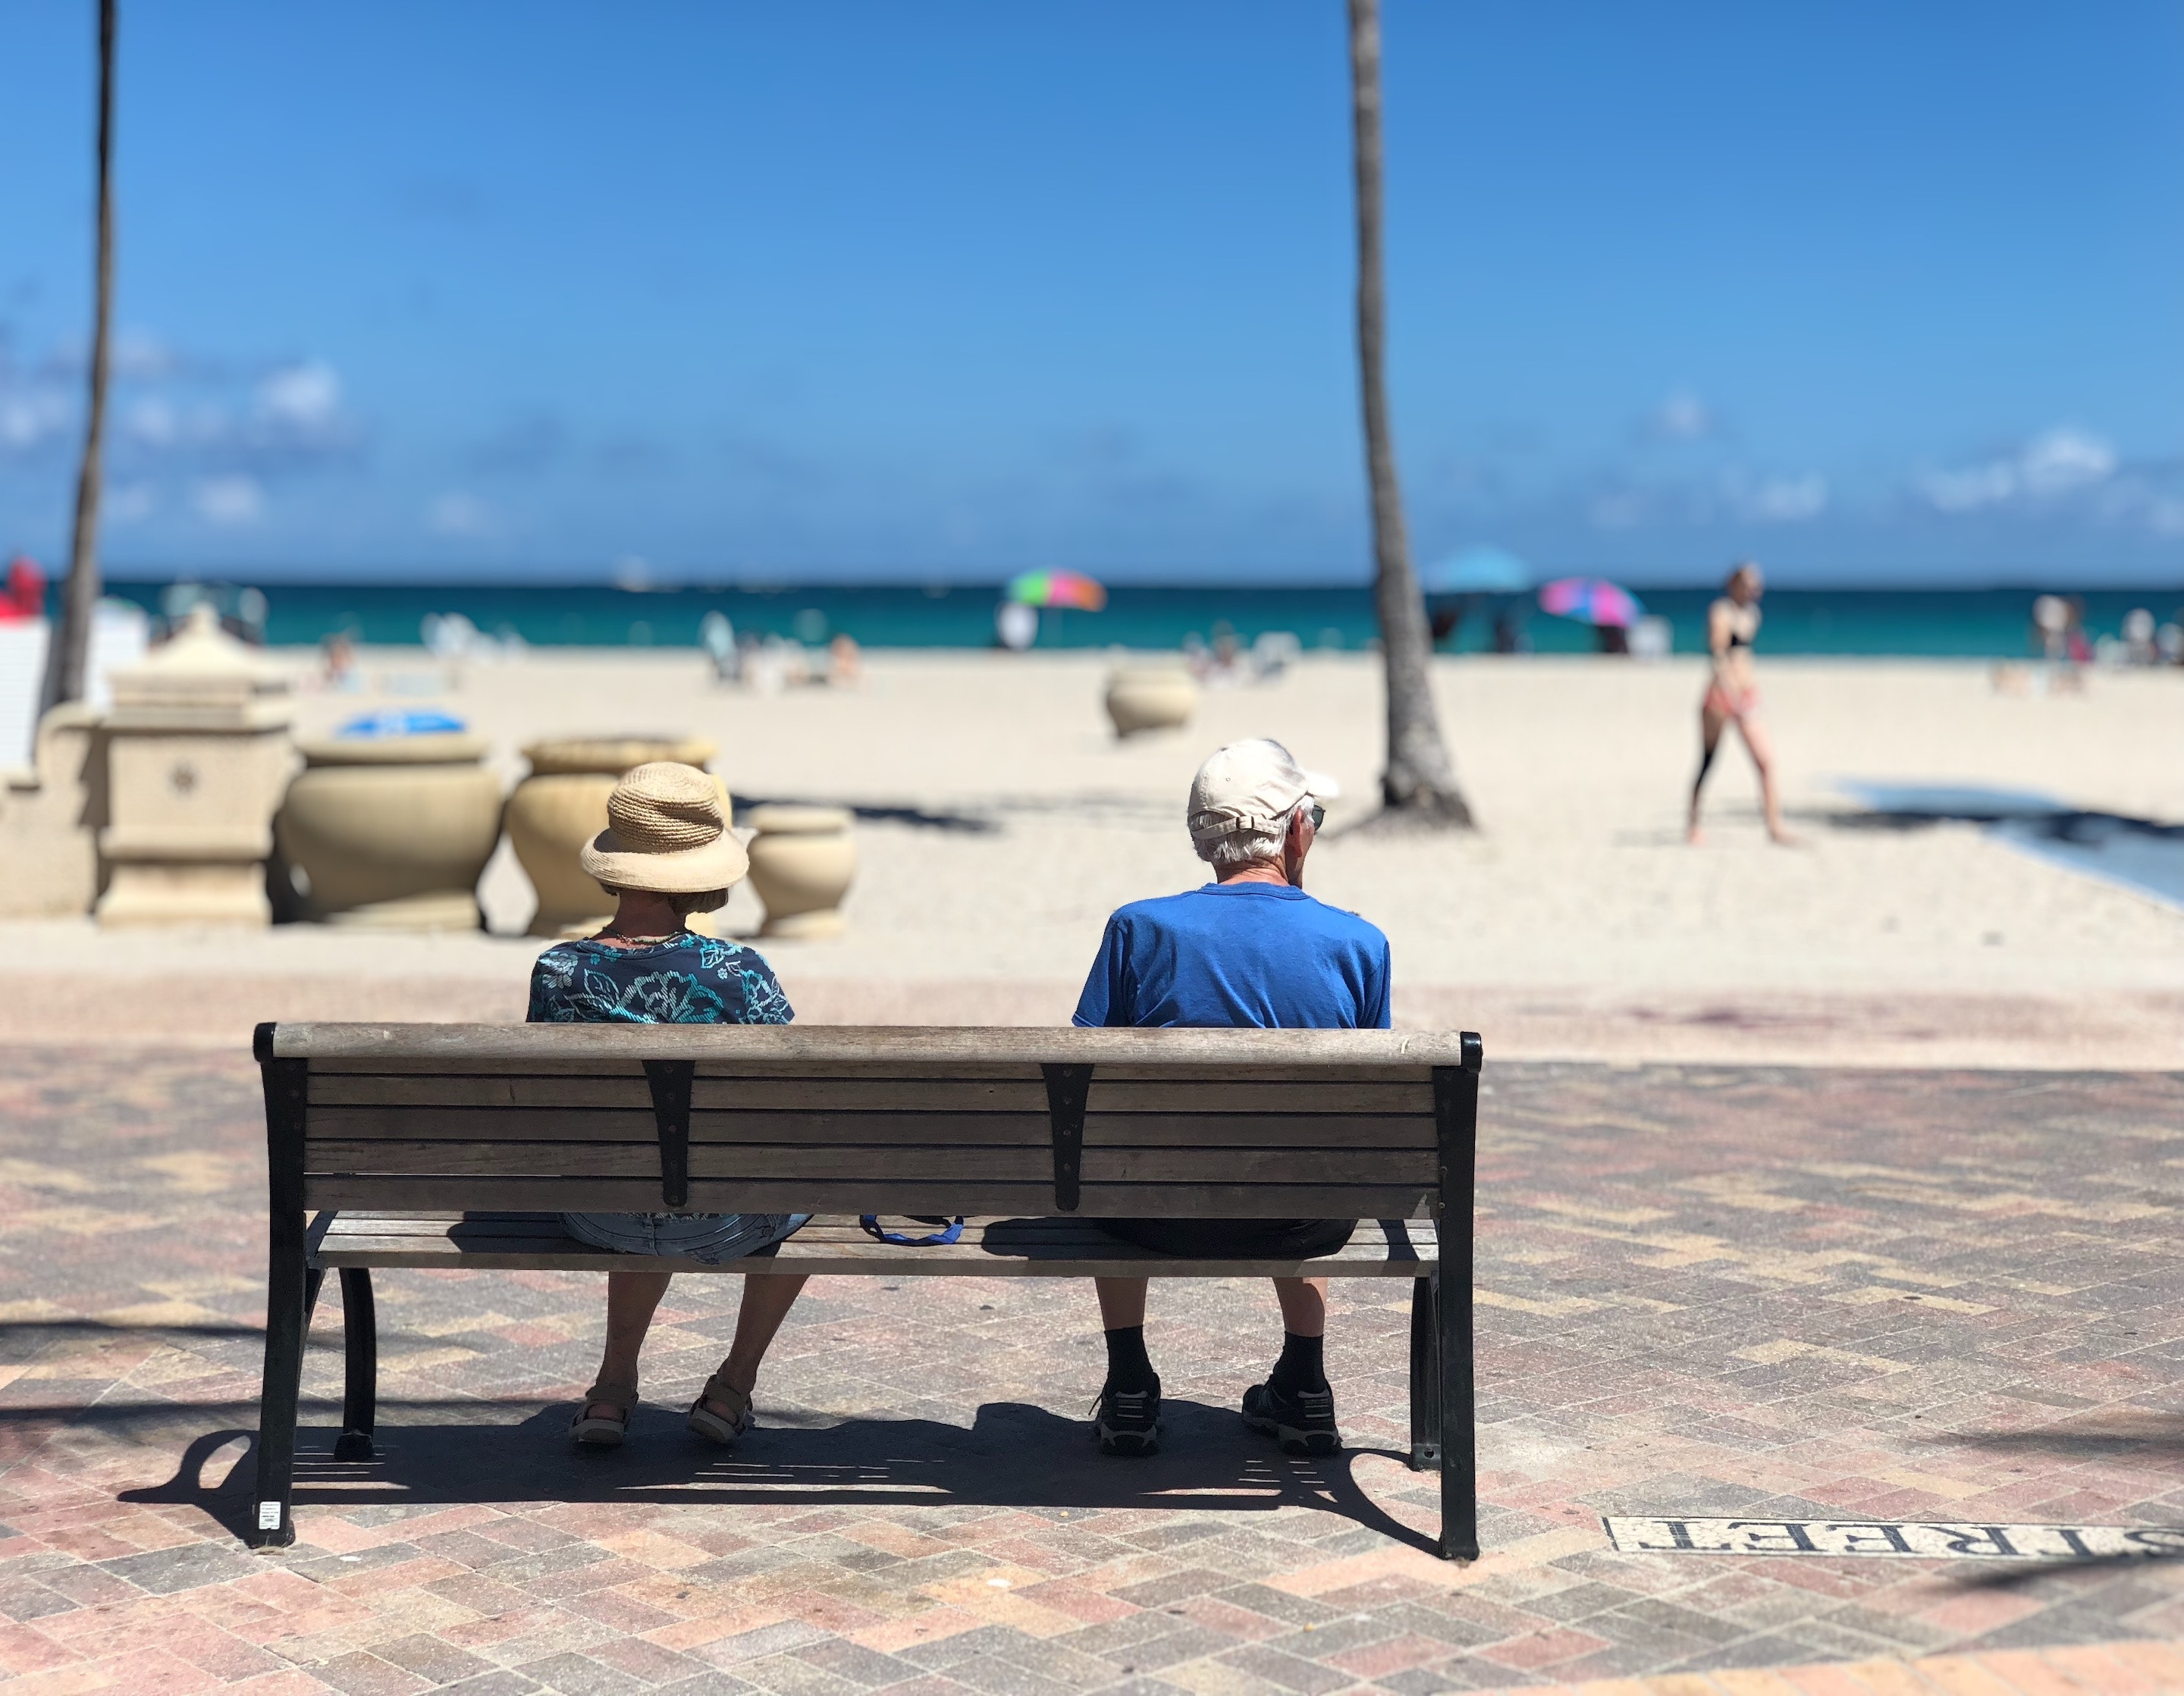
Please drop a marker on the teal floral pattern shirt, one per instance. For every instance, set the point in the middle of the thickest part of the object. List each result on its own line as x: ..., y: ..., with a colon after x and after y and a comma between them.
x: 686, y: 980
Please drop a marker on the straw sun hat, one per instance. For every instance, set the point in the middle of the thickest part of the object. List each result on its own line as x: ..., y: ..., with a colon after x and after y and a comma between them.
x: 666, y: 833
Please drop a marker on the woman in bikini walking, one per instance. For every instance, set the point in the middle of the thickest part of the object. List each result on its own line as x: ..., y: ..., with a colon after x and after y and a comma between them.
x: 1731, y: 697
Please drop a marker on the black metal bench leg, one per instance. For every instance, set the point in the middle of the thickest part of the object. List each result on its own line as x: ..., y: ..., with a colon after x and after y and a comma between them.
x: 360, y: 1365
x: 287, y: 1318
x: 1426, y: 1378
x: 1459, y: 1460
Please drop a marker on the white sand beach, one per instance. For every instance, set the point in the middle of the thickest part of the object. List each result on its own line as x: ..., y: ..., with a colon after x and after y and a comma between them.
x: 1576, y: 923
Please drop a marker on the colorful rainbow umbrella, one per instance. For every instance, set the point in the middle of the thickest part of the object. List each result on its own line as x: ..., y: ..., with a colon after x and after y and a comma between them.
x: 1057, y: 589
x: 1590, y: 600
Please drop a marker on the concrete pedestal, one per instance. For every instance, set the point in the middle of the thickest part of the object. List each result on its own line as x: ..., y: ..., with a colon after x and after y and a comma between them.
x: 197, y: 755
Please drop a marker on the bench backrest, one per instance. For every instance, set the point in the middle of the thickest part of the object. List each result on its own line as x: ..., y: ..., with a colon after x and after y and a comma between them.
x: 727, y: 1119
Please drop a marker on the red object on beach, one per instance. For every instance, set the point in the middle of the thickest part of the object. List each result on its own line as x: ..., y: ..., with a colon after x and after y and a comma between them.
x: 1591, y: 600
x: 25, y: 597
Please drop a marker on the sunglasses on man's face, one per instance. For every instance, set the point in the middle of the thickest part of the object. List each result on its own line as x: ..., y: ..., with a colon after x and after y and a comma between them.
x: 1317, y: 813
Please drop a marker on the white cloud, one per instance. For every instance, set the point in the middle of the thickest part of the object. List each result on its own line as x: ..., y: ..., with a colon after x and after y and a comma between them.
x: 1619, y: 510
x: 31, y: 416
x: 129, y: 502
x: 151, y: 421
x: 2065, y: 460
x: 1682, y: 417
x: 457, y: 514
x: 2058, y: 462
x: 1788, y: 500
x: 234, y: 500
x: 307, y: 395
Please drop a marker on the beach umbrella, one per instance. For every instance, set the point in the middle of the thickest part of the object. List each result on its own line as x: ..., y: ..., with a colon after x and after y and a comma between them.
x: 1591, y: 600
x: 1072, y: 589
x: 1477, y: 571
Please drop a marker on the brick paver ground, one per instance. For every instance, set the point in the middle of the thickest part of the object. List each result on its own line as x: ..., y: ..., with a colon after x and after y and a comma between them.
x: 1762, y: 1293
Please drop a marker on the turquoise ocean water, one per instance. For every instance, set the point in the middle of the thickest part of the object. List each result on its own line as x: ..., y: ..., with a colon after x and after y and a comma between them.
x: 1967, y: 624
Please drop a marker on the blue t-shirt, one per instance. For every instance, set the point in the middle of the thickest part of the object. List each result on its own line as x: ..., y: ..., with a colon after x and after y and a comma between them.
x: 686, y: 980
x: 1239, y: 954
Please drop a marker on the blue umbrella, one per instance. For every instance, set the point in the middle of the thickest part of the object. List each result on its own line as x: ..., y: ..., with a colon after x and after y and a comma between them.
x: 1477, y: 571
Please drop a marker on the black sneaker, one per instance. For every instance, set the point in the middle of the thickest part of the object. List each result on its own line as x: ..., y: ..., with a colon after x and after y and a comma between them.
x: 1303, y: 1422
x: 1126, y: 1421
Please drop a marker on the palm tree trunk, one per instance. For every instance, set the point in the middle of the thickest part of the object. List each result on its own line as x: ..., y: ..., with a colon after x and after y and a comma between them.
x: 68, y: 648
x: 1418, y: 784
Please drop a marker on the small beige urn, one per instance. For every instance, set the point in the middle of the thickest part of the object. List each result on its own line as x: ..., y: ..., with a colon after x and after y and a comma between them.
x: 563, y: 804
x: 1148, y: 698
x: 801, y: 863
x: 197, y: 753
x: 393, y: 832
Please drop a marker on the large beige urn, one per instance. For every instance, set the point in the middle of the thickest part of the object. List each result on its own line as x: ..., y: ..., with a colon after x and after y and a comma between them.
x: 393, y: 832
x: 801, y: 863
x: 1151, y: 698
x: 563, y: 804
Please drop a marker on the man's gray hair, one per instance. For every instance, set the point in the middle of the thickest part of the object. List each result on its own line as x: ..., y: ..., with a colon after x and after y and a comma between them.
x: 1240, y: 849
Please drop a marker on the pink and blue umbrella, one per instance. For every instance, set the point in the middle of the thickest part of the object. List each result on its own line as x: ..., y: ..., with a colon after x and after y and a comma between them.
x: 1590, y: 600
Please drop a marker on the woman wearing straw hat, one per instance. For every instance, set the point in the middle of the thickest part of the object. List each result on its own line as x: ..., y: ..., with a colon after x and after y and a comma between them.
x: 667, y: 853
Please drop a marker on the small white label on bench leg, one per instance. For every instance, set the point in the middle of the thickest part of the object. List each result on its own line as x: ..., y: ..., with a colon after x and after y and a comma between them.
x: 269, y: 1516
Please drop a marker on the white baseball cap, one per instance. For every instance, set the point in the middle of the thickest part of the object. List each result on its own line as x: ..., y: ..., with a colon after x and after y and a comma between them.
x: 1251, y: 785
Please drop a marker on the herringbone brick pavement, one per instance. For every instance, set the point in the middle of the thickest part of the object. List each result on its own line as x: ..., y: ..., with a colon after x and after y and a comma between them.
x: 1703, y: 1290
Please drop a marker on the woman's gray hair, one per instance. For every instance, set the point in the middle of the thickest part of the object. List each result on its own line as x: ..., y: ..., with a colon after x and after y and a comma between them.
x: 1241, y: 848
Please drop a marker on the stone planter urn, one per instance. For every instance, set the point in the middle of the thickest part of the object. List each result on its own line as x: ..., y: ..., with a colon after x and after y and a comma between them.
x: 801, y: 862
x: 1151, y: 699
x: 393, y: 832
x: 563, y: 804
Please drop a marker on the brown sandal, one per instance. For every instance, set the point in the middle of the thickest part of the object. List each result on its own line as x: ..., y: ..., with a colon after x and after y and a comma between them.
x: 594, y: 1433
x: 707, y: 1423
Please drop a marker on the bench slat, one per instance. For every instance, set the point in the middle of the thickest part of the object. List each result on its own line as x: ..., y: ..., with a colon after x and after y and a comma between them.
x: 970, y: 1131
x: 1222, y: 1051
x: 345, y: 1089
x: 472, y: 1124
x: 635, y: 1195
x: 1233, y: 1130
x: 869, y: 1195
x: 990, y: 1248
x: 823, y: 1161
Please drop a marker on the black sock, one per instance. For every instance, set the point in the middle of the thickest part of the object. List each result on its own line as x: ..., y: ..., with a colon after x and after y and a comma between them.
x: 1299, y: 1368
x: 1129, y: 1366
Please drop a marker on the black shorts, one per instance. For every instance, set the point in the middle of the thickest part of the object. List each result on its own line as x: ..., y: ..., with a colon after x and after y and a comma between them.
x: 1234, y: 1239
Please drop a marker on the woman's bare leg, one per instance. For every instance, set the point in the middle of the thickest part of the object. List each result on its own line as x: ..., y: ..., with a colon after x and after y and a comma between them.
x: 1710, y: 728
x: 766, y: 1302
x: 1762, y: 759
x: 631, y: 1299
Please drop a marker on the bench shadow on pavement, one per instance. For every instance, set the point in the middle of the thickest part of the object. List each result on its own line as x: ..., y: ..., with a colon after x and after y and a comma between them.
x: 1014, y: 1456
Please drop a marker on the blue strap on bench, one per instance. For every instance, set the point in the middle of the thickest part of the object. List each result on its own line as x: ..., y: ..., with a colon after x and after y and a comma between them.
x: 870, y: 1221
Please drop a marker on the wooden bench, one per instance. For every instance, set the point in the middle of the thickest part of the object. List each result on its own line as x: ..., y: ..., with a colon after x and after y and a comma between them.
x: 460, y: 1145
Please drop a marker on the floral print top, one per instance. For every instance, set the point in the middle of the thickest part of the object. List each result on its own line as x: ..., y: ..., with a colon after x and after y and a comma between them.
x: 686, y: 980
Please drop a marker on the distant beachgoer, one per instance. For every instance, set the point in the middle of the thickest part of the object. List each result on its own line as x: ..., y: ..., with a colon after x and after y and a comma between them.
x: 25, y: 597
x: 667, y: 853
x: 1732, y: 698
x: 845, y: 662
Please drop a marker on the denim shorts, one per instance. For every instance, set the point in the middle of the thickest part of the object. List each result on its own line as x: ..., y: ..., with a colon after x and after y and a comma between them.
x: 711, y: 1237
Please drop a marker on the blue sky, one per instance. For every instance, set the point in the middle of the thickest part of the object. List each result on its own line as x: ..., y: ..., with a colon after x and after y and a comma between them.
x: 1879, y: 293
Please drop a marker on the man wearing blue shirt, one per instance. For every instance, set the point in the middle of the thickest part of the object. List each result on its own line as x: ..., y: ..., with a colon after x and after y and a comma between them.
x: 1249, y: 949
